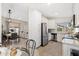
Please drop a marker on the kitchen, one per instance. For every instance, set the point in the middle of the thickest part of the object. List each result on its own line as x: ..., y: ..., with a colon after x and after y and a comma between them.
x: 59, y: 26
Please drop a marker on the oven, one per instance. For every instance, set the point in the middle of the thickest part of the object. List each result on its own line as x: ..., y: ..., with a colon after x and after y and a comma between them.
x: 74, y: 52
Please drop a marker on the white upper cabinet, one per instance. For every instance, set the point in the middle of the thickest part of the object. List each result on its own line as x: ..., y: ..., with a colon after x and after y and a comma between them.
x: 51, y: 24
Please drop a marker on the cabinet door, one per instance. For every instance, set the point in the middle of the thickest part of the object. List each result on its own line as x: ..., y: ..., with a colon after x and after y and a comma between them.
x: 60, y: 37
x: 51, y: 24
x: 65, y: 50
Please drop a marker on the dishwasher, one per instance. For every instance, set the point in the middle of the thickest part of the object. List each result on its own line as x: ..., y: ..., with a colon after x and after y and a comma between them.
x: 54, y: 37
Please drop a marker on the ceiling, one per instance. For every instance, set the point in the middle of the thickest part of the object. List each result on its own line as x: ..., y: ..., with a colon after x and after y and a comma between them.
x: 48, y: 10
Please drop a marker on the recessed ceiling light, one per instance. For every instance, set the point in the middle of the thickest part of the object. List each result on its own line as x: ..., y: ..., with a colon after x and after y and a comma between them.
x: 49, y: 3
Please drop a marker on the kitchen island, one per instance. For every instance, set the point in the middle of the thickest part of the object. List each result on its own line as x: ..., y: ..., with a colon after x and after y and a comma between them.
x: 70, y: 47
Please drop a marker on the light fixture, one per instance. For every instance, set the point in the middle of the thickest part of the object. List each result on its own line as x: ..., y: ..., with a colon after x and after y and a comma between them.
x: 9, y: 19
x: 49, y: 3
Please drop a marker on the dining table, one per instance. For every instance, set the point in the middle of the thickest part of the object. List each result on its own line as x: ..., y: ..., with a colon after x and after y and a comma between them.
x: 5, y: 51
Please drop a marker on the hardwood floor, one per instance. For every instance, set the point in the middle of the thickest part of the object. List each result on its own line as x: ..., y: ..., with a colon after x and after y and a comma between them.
x: 21, y: 43
x: 52, y: 49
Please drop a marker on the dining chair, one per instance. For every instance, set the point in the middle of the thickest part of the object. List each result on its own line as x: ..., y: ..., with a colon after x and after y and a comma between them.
x: 4, y: 40
x: 13, y: 38
x: 30, y: 47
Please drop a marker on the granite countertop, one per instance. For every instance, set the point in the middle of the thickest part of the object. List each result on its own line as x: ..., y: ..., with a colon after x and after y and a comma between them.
x: 58, y: 32
x: 74, y: 42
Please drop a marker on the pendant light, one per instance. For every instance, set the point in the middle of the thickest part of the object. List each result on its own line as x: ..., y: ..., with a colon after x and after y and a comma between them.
x: 9, y: 19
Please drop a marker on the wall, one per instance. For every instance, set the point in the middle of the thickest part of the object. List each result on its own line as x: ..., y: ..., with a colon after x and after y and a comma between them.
x: 18, y: 12
x: 35, y: 26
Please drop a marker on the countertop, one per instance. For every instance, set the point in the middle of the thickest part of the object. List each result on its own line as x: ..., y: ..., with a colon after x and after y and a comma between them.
x: 74, y: 42
x: 59, y: 32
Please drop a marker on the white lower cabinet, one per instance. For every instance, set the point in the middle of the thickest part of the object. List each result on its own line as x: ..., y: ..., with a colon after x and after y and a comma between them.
x: 60, y: 37
x: 67, y: 49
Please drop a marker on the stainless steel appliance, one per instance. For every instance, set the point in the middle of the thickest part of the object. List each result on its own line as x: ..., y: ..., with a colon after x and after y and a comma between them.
x: 54, y: 37
x: 44, y: 34
x: 74, y: 52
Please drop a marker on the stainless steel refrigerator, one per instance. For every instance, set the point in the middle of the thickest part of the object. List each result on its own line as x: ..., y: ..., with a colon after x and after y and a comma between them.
x: 44, y: 34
